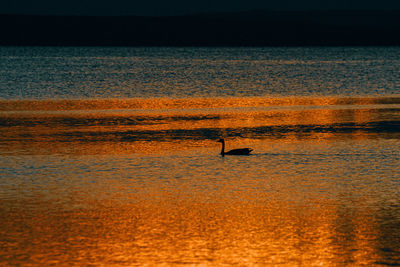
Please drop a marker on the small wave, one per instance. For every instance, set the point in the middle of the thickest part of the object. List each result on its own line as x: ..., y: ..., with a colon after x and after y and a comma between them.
x: 187, y: 103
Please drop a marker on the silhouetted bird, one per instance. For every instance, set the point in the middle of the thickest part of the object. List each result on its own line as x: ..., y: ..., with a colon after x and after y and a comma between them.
x: 239, y: 151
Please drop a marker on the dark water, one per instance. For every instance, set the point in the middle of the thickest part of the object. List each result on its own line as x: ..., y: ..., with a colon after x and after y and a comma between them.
x: 108, y: 156
x: 197, y: 72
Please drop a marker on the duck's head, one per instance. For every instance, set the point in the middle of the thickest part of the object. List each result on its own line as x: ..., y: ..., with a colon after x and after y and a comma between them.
x: 221, y: 140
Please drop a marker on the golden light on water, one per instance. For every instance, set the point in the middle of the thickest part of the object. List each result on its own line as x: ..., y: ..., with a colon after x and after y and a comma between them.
x: 175, y: 231
x: 188, y: 103
x: 120, y: 126
x: 108, y: 156
x: 141, y: 182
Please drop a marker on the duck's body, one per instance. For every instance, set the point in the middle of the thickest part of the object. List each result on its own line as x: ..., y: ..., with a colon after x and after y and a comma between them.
x: 239, y: 151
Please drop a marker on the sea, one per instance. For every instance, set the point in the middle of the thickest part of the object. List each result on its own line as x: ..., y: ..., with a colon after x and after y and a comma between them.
x: 109, y: 156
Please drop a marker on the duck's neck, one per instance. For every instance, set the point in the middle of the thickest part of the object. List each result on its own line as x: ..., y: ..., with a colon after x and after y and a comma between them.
x: 223, y: 148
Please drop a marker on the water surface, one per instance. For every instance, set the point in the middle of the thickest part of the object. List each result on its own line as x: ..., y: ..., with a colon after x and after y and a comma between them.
x: 92, y: 175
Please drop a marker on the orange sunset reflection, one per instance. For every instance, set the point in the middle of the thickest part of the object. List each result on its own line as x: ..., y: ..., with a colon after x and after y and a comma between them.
x: 148, y: 126
x: 141, y: 182
x: 175, y: 231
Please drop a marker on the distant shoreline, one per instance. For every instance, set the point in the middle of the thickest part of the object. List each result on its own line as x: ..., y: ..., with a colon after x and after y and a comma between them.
x: 253, y: 28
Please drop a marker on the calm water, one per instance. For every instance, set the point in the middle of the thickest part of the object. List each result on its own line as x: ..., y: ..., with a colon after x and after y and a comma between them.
x: 108, y: 156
